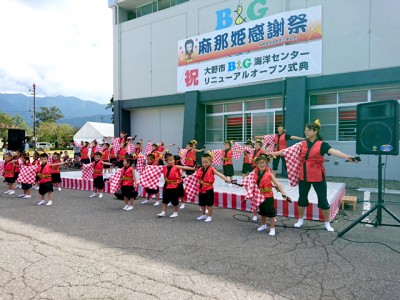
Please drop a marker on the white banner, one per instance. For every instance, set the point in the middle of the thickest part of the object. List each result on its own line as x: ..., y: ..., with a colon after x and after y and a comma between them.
x: 278, y: 62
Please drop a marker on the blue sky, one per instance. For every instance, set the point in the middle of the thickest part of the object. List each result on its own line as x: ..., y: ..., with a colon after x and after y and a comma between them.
x: 64, y: 46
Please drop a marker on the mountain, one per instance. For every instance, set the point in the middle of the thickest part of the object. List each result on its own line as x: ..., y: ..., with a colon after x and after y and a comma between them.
x: 76, y: 111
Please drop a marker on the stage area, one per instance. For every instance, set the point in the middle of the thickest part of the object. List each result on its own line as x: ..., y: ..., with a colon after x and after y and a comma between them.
x: 232, y: 196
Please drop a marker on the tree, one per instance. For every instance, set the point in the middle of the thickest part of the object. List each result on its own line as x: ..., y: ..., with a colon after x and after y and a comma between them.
x: 6, y: 122
x: 58, y: 134
x: 49, y: 114
x: 110, y: 105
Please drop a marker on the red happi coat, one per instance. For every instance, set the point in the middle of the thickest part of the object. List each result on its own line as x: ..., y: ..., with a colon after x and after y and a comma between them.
x: 280, y: 142
x: 121, y: 154
x: 190, y: 158
x: 206, y: 180
x: 84, y: 153
x: 247, y: 158
x: 227, y: 157
x: 44, y: 173
x: 106, y: 155
x: 174, y: 177
x: 9, y: 170
x: 97, y: 169
x: 265, y: 185
x: 311, y: 169
x: 127, y: 176
x: 55, y: 169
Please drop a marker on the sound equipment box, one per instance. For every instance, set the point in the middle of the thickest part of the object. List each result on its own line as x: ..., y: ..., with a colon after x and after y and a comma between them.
x: 378, y: 128
x: 16, y: 138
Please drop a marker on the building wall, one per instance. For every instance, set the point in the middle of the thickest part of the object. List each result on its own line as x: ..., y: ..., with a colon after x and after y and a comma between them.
x: 163, y: 124
x: 360, y: 50
x: 354, y: 32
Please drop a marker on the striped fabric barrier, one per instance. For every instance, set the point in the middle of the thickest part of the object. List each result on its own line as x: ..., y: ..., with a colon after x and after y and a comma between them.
x: 235, y: 200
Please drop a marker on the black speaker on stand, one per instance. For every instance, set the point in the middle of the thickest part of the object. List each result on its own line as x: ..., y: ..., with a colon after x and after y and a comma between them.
x: 16, y: 138
x: 377, y: 134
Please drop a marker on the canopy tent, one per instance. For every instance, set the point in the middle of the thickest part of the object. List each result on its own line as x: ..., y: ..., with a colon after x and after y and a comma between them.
x: 94, y: 131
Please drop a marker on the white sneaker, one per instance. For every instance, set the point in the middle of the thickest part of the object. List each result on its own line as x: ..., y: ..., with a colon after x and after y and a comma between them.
x: 129, y: 207
x: 157, y: 203
x: 254, y: 219
x: 11, y: 192
x: 182, y: 206
x: 18, y: 186
x: 21, y: 196
x: 49, y: 203
x: 174, y: 215
x: 209, y: 219
x: 59, y: 189
x: 162, y: 214
x: 27, y: 197
x: 145, y: 201
x: 36, y: 188
x: 299, y: 223
x: 6, y: 192
x: 101, y: 195
x: 93, y: 195
x: 262, y: 228
x: 125, y: 207
x: 42, y: 202
x: 169, y: 204
x: 202, y: 217
x: 271, y: 232
x: 328, y: 226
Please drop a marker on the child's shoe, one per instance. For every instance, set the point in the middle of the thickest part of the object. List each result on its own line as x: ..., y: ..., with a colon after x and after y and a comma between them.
x: 101, y: 195
x: 299, y: 223
x: 59, y: 189
x: 49, y: 203
x: 130, y: 207
x: 21, y: 196
x: 182, y: 206
x: 174, y: 215
x: 162, y: 214
x: 169, y: 204
x: 93, y: 195
x: 254, y: 219
x: 209, y: 219
x: 202, y: 217
x: 26, y: 197
x: 42, y: 202
x: 11, y: 192
x: 271, y: 232
x: 125, y: 207
x: 328, y: 226
x: 157, y: 203
x: 262, y: 227
x: 145, y: 201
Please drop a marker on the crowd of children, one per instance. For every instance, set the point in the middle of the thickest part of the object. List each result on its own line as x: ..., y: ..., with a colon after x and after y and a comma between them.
x: 255, y: 163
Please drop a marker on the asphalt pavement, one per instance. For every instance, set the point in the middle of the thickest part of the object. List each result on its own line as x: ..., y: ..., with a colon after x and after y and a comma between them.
x: 89, y: 248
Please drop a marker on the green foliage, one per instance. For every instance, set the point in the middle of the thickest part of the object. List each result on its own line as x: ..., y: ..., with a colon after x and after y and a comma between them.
x: 49, y: 114
x: 7, y: 121
x: 57, y: 134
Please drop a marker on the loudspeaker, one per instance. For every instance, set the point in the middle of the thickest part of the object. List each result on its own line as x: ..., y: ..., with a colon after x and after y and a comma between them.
x: 16, y: 138
x: 378, y: 128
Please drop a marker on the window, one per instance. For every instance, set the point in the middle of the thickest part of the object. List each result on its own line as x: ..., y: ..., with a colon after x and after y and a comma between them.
x: 337, y: 111
x: 214, y: 129
x: 152, y: 7
x: 387, y: 94
x: 327, y: 118
x: 241, y: 120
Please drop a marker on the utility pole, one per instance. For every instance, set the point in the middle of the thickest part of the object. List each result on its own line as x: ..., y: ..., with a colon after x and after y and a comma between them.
x: 34, y: 114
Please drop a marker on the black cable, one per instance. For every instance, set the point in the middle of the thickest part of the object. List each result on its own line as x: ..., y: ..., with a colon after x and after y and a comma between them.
x: 247, y: 219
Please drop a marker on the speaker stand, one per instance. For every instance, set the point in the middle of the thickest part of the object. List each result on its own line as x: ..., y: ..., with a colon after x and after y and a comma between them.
x: 379, y: 207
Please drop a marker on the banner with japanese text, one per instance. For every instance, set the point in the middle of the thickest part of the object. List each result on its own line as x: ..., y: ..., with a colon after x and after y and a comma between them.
x: 278, y: 62
x: 283, y: 28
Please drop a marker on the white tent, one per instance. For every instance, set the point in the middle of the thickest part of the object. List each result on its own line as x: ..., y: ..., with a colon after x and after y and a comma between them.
x: 94, y: 131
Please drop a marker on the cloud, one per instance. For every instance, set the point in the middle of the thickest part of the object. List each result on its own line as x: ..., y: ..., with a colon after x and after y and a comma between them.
x: 65, y: 47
